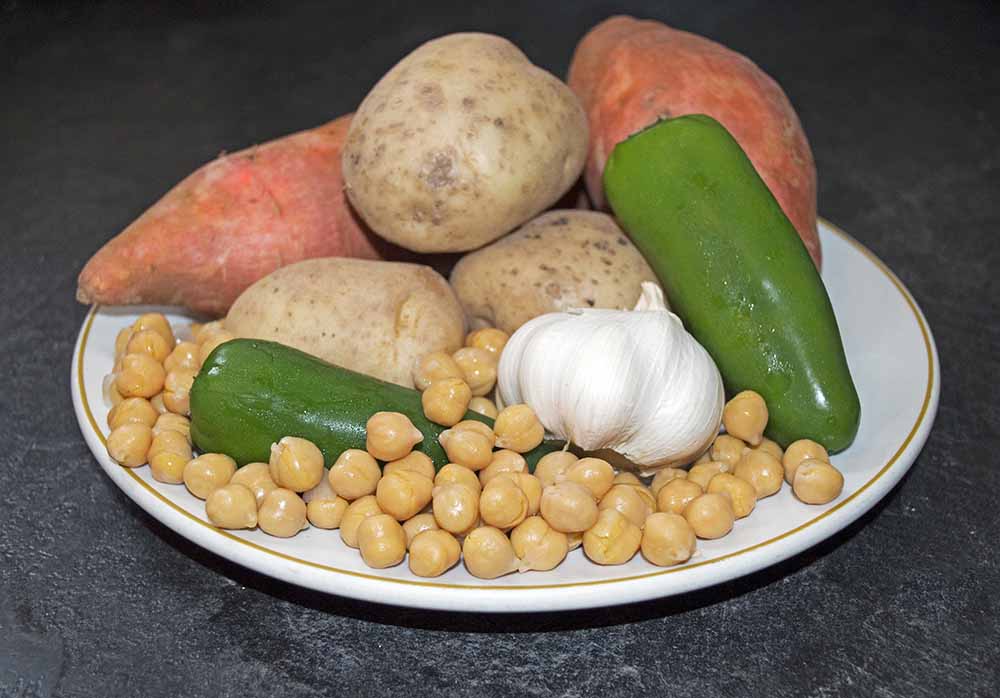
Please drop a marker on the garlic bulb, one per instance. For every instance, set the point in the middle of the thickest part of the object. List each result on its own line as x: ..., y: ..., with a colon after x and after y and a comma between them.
x: 633, y: 381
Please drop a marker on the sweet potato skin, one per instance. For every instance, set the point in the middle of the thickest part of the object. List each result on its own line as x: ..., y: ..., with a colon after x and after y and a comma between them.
x: 232, y: 222
x: 628, y: 73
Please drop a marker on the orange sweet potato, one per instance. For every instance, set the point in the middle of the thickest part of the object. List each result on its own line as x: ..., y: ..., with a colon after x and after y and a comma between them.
x: 232, y: 222
x: 628, y: 73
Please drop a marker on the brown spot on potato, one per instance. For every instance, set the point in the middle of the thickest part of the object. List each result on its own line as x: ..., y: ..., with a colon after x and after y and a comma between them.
x: 468, y: 103
x: 552, y: 289
x: 438, y: 168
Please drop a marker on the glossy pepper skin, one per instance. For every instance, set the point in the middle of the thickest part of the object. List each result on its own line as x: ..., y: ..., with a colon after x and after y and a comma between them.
x: 250, y: 393
x: 737, y: 274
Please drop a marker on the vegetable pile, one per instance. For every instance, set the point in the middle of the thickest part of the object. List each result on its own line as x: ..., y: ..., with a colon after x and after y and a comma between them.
x: 344, y: 389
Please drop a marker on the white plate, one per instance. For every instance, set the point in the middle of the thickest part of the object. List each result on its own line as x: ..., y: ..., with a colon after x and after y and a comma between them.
x: 895, y: 366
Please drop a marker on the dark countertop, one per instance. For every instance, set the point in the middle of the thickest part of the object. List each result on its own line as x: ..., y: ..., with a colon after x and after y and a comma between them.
x: 106, y: 106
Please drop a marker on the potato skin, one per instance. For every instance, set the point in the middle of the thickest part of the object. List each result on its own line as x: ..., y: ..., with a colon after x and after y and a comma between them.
x: 559, y: 260
x: 461, y: 142
x: 372, y: 317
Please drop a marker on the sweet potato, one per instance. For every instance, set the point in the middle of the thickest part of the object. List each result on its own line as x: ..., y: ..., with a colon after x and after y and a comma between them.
x: 232, y: 222
x: 629, y: 73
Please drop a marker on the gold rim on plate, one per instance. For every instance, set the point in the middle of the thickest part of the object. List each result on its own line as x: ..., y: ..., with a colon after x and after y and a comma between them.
x: 525, y: 587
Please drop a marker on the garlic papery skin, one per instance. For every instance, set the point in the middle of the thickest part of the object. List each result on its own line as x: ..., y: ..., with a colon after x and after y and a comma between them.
x: 633, y: 381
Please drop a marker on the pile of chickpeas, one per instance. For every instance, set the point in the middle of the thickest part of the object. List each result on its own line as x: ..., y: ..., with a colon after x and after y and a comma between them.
x: 484, y: 507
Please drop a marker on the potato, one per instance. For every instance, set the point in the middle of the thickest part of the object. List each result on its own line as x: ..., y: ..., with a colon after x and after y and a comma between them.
x: 562, y: 259
x: 461, y: 142
x: 372, y: 317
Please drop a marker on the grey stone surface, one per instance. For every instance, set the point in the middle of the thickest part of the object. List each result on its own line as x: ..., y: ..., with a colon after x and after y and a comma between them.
x: 105, y: 106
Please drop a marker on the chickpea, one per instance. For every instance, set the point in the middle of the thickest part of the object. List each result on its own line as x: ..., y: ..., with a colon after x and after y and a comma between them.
x: 676, y: 494
x: 141, y: 376
x: 282, y: 513
x: 517, y: 428
x: 612, y: 540
x: 467, y: 447
x: 381, y: 541
x: 122, y: 340
x: 435, y: 366
x: 488, y: 553
x: 745, y: 417
x: 552, y: 465
x: 156, y: 322
x: 453, y: 473
x: 129, y: 444
x: 210, y: 342
x: 626, y: 478
x: 446, y: 401
x: 799, y: 451
x: 537, y: 545
x: 177, y: 390
x: 324, y: 509
x: 403, y: 493
x: 168, y: 421
x: 504, y: 461
x: 184, y: 355
x: 479, y: 427
x: 109, y: 388
x: 491, y: 339
x: 208, y: 472
x: 629, y: 500
x: 771, y: 447
x: 168, y: 466
x: 575, y: 540
x: 201, y: 332
x: 168, y: 456
x: 817, y: 482
x: 354, y: 474
x: 479, y: 368
x: 157, y: 402
x: 391, y: 435
x: 148, y: 342
x: 132, y: 410
x: 257, y: 478
x: 726, y: 449
x: 665, y: 475
x: 742, y: 494
x: 568, y: 507
x: 484, y: 406
x: 595, y: 474
x: 704, y: 472
x: 296, y: 464
x: 502, y: 504
x: 668, y: 539
x: 417, y: 525
x: 232, y: 506
x: 456, y: 508
x: 704, y: 457
x: 762, y: 470
x: 530, y: 485
x: 417, y: 462
x: 433, y: 552
x: 326, y: 513
x: 710, y: 515
x: 357, y: 511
